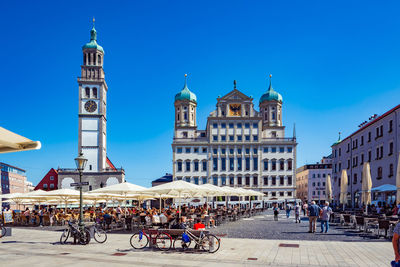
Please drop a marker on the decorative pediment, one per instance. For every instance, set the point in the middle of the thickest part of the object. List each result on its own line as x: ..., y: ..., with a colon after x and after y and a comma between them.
x: 235, y: 95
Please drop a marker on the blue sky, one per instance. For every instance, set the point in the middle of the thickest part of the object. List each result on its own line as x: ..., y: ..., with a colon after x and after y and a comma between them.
x: 334, y: 63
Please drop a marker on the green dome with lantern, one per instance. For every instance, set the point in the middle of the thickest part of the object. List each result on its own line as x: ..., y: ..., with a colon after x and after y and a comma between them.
x: 271, y: 94
x: 186, y: 94
x: 93, y: 41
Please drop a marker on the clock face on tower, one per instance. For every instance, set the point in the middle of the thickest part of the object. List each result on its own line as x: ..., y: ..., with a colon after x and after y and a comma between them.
x: 90, y: 106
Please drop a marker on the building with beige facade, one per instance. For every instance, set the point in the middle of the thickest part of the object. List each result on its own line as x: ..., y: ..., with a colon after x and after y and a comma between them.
x: 240, y: 146
x: 377, y: 142
x: 311, y: 180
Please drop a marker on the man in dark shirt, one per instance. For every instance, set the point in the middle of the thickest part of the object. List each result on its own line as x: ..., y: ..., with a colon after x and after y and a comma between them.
x: 313, y: 213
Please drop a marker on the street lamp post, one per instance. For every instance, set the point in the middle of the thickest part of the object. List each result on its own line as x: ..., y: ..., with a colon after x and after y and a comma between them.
x: 80, y: 162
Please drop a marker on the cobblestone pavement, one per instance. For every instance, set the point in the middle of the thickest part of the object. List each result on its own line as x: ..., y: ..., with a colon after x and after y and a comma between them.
x: 41, y: 248
x: 264, y: 227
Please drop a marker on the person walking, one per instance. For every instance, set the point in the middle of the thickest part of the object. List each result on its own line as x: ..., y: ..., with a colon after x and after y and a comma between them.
x: 395, y: 244
x: 326, y: 212
x: 288, y: 208
x: 297, y: 212
x: 305, y: 208
x: 276, y: 212
x: 313, y: 212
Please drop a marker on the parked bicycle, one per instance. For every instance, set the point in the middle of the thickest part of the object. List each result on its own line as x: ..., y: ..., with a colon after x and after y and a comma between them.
x: 83, y: 237
x: 3, y: 230
x: 99, y: 234
x: 161, y: 240
x: 207, y: 242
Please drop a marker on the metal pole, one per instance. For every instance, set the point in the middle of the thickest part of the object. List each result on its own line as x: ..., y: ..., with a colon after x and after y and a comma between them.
x: 81, y: 225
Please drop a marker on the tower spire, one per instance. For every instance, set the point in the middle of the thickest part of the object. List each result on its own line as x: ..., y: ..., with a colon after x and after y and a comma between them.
x: 234, y: 84
x: 270, y: 82
x: 294, y: 130
x: 185, y: 86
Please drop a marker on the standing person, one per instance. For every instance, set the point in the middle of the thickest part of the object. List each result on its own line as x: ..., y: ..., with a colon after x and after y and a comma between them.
x: 297, y: 212
x: 325, y: 214
x: 313, y: 212
x: 276, y: 212
x: 288, y: 209
x: 305, y: 208
x: 395, y: 243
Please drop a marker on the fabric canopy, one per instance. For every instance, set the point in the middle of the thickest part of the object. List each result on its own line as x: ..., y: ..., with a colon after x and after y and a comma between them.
x: 343, y: 187
x: 384, y: 188
x: 328, y: 188
x: 12, y: 142
x: 366, y: 184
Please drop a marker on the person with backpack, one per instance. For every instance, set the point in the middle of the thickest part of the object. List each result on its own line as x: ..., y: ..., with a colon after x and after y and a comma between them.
x: 313, y: 213
x: 325, y: 213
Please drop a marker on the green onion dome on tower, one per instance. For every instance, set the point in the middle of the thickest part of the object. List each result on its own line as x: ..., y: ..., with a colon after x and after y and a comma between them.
x: 271, y: 94
x: 186, y: 94
x: 93, y: 41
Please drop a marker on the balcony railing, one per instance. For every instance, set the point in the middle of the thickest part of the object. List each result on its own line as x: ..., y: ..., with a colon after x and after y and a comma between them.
x: 104, y: 170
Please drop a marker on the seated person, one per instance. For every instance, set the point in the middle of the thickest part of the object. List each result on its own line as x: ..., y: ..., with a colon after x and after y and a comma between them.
x: 198, y: 225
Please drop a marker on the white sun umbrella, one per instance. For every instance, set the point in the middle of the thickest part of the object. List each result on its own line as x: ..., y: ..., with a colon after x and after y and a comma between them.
x: 343, y: 188
x: 366, y: 186
x: 210, y: 190
x: 38, y: 195
x: 398, y: 180
x: 178, y: 188
x: 101, y: 197
x: 328, y: 188
x: 122, y: 189
x: 65, y: 195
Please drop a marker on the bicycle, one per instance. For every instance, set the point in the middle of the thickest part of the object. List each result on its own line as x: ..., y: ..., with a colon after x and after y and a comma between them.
x: 73, y: 231
x: 99, y: 234
x: 162, y: 240
x: 207, y: 242
x: 3, y: 230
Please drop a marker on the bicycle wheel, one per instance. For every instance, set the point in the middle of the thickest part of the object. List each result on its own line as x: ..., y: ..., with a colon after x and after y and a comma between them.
x: 139, y: 240
x: 3, y: 231
x: 179, y: 244
x: 163, y: 241
x: 210, y: 243
x: 100, y: 236
x: 64, y: 236
x: 84, y: 238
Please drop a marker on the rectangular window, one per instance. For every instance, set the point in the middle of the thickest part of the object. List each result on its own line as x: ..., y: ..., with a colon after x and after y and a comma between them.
x: 281, y: 181
x: 289, y: 180
x: 266, y: 165
x: 247, y: 164
x: 196, y: 180
x: 255, y: 163
x: 390, y: 126
x: 281, y: 165
x: 362, y: 141
x: 239, y: 138
x: 51, y: 178
x: 231, y: 164
x: 369, y: 156
x: 231, y: 125
x: 223, y: 164
x: 196, y: 166
x: 179, y: 150
x: 247, y: 151
x: 239, y: 151
x: 255, y: 125
x: 247, y: 181
x: 247, y: 125
x: 196, y: 150
x: 290, y: 166
x: 273, y: 149
x: 215, y: 151
x: 215, y: 125
x: 187, y: 150
x: 265, y: 180
x: 179, y: 166
x: 289, y: 194
x: 289, y: 149
x: 204, y: 180
x: 215, y: 137
x: 204, y: 150
x: 239, y: 180
x: 188, y: 166
x: 273, y: 167
x: 255, y: 181
x: 204, y: 166
x: 255, y: 137
x: 273, y: 194
x: 231, y: 151
x: 255, y: 150
x: 239, y: 125
x: 223, y: 125
x: 51, y: 186
x: 223, y: 138
x: 44, y: 186
x: 265, y: 149
x: 390, y: 148
x: 215, y: 164
x: 231, y: 138
x: 281, y: 149
x: 223, y: 151
x: 215, y: 181
x: 247, y: 137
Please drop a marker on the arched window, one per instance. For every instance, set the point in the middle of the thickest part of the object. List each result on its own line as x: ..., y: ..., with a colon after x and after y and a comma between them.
x: 178, y: 117
x: 87, y: 92
x: 99, y: 59
x: 95, y: 92
x: 84, y: 59
x: 185, y: 117
x: 273, y: 115
x: 391, y: 170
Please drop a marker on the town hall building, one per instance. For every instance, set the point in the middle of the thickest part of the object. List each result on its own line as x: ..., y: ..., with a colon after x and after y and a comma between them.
x: 92, y: 137
x: 240, y: 147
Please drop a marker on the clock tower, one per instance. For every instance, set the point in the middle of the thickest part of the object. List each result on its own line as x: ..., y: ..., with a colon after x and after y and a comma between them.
x: 93, y: 106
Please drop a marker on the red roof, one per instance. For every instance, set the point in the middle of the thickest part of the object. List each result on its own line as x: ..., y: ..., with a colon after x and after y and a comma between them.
x: 109, y: 163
